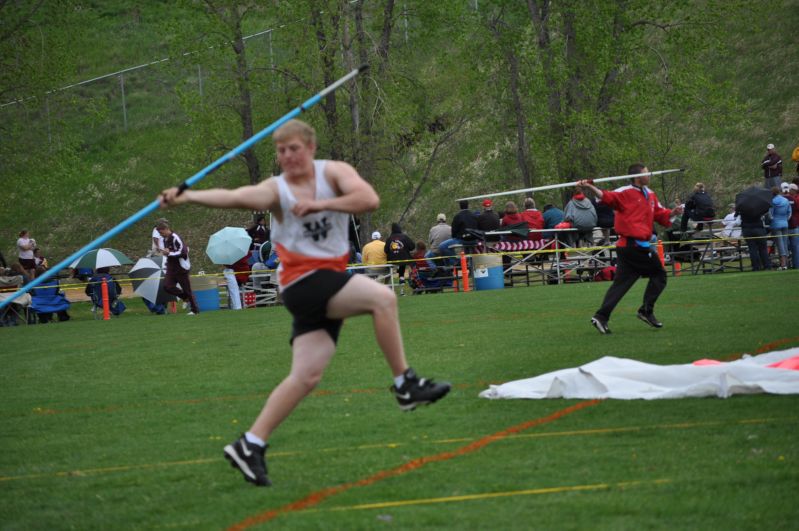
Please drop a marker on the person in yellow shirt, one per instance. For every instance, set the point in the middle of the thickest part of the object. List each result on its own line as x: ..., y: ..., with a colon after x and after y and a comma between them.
x: 374, y: 254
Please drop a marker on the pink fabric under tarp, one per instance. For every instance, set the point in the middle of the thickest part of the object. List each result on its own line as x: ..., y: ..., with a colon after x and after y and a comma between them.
x: 523, y: 245
x: 610, y: 377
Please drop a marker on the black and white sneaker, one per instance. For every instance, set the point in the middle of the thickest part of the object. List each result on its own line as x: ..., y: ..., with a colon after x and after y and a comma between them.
x: 600, y: 324
x: 249, y: 459
x: 649, y: 318
x: 417, y: 391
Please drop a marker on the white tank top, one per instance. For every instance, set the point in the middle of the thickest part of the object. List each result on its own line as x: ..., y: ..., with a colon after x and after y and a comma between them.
x: 322, y: 234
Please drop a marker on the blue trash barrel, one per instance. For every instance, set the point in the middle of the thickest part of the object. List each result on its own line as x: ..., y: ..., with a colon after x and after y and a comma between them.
x: 488, y: 272
x: 206, y: 293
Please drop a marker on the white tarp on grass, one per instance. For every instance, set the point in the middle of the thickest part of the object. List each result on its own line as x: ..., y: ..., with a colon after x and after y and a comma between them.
x: 626, y: 379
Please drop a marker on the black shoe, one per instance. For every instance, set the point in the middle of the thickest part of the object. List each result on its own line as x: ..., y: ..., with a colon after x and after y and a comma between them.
x: 649, y: 318
x: 418, y: 391
x: 600, y: 324
x: 249, y: 459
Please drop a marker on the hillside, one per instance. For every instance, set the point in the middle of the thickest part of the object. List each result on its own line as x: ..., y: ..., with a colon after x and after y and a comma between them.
x: 87, y: 162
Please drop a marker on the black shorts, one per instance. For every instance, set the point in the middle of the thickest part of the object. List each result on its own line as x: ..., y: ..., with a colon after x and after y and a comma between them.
x: 27, y: 263
x: 307, y: 301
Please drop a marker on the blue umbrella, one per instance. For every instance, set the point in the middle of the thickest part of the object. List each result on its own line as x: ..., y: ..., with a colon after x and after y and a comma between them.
x: 228, y: 245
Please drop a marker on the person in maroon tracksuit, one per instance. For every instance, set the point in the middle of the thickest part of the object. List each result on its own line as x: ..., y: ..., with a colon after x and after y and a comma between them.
x: 637, y: 208
x: 177, y: 256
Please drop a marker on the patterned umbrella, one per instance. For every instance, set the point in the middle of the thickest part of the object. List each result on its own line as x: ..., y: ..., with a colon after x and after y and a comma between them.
x: 101, y: 258
x: 228, y: 245
x: 148, y: 280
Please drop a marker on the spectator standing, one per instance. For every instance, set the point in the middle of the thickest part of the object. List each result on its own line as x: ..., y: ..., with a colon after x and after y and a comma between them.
x: 534, y: 219
x: 465, y: 219
x: 398, y: 249
x: 580, y: 212
x: 311, y: 202
x: 177, y: 266
x: 754, y: 232
x: 779, y: 213
x: 488, y: 220
x: 772, y: 168
x: 258, y: 231
x: 157, y: 241
x: 637, y: 208
x: 795, y: 158
x: 793, y: 224
x: 25, y: 247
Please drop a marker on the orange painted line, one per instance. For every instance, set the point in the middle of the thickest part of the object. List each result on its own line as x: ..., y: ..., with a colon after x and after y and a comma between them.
x: 315, y: 498
x: 537, y: 435
x: 774, y: 344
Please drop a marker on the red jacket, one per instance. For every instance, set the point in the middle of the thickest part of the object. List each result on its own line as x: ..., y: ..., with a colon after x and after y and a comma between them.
x: 635, y: 212
x: 534, y: 220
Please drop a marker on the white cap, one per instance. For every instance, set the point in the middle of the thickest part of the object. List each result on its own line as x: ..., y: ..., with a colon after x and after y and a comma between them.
x: 375, y: 235
x: 441, y: 217
x: 784, y: 187
x: 770, y: 146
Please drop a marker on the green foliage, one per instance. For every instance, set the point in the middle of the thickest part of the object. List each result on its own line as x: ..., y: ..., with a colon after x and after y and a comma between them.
x: 121, y: 424
x: 675, y: 84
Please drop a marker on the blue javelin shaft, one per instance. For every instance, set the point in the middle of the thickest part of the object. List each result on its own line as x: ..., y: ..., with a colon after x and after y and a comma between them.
x: 188, y: 183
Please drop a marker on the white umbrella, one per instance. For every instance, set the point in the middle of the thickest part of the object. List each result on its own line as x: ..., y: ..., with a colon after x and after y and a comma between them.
x: 148, y: 280
x: 228, y: 245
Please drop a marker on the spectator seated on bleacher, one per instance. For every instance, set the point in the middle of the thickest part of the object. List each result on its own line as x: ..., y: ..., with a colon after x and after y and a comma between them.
x: 94, y: 289
x: 582, y: 215
x: 698, y: 208
x: 48, y: 299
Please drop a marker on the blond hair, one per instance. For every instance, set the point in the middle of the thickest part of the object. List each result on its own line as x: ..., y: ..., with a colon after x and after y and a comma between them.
x: 295, y: 128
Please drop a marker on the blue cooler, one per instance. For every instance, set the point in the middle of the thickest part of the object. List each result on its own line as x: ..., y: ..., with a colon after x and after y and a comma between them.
x: 488, y: 272
x: 206, y: 292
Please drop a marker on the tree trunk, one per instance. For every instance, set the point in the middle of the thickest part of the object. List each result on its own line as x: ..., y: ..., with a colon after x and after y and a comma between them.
x: 522, y: 151
x: 353, y: 104
x: 327, y: 55
x: 245, y: 104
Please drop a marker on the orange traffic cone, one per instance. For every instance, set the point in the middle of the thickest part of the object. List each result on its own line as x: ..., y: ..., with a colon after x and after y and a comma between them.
x: 464, y: 272
x: 661, y: 253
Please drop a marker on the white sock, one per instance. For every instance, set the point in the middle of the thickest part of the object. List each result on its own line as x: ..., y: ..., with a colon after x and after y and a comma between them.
x: 399, y: 380
x: 254, y: 439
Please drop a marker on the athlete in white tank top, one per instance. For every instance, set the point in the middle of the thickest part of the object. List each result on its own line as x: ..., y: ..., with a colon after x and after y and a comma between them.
x: 302, y: 241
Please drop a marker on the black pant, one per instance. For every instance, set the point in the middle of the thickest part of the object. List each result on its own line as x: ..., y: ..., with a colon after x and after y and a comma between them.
x: 178, y: 275
x: 633, y: 263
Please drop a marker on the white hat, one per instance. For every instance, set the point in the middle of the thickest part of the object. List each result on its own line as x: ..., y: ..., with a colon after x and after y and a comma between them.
x: 784, y: 187
x: 770, y: 146
x: 793, y: 187
x: 375, y: 235
x: 441, y: 217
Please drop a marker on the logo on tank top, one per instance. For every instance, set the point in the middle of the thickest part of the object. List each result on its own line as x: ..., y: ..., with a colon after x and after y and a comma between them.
x: 317, y: 229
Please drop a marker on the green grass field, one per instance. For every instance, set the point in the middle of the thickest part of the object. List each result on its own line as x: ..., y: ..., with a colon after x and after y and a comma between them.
x: 121, y: 424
